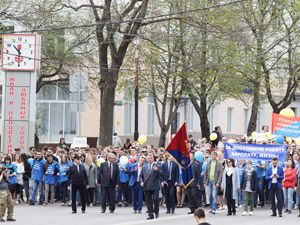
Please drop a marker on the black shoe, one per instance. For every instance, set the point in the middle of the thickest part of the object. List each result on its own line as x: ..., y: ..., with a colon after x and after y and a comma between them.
x: 40, y: 203
x: 73, y: 212
x: 254, y: 206
x: 156, y: 215
x: 83, y: 211
x: 191, y: 212
x: 139, y: 211
x: 173, y: 211
x: 299, y: 215
x: 126, y: 203
x: 280, y: 215
x: 103, y: 211
x: 286, y: 210
x: 2, y: 220
x: 31, y: 203
x: 134, y: 211
x: 111, y: 211
x: 228, y: 214
x: 210, y: 211
x: 289, y: 212
x: 11, y: 219
x: 273, y: 214
x: 234, y: 213
x: 119, y: 204
x: 168, y: 211
x: 150, y: 218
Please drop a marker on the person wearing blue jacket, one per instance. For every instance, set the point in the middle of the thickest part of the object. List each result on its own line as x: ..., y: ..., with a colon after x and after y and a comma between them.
x: 12, y: 171
x: 134, y: 183
x: 50, y: 172
x: 123, y: 189
x: 37, y: 177
x: 275, y: 176
x: 63, y: 168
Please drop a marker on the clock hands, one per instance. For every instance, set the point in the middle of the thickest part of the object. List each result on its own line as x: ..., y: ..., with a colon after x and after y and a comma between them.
x: 19, y: 53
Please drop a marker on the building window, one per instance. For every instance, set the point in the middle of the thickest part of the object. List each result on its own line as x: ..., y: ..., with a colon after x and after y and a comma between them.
x: 128, y: 103
x: 246, y: 120
x: 56, y: 114
x: 189, y: 116
x: 150, y: 115
x: 230, y: 120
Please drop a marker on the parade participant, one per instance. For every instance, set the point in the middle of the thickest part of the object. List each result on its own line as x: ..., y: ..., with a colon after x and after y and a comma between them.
x: 37, y: 177
x: 63, y: 169
x: 91, y: 170
x: 123, y: 190
x: 5, y: 197
x: 170, y: 171
x: 259, y: 166
x: 275, y: 176
x: 11, y: 173
x: 80, y: 182
x: 249, y: 185
x: 192, y: 189
x: 239, y: 201
x: 199, y: 215
x: 50, y: 172
x: 230, y: 185
x: 212, y: 180
x: 151, y: 186
x: 180, y: 191
x: 26, y: 175
x: 108, y: 179
x: 297, y: 188
x: 19, y: 176
x: 288, y: 184
x: 135, y: 184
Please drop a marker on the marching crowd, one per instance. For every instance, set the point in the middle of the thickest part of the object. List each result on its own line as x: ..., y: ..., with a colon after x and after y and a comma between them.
x: 98, y: 176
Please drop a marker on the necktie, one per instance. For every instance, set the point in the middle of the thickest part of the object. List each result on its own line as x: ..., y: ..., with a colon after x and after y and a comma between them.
x: 149, y: 170
x: 110, y: 170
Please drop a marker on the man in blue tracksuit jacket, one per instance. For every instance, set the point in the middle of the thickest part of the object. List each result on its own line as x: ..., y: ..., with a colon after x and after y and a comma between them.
x: 37, y: 177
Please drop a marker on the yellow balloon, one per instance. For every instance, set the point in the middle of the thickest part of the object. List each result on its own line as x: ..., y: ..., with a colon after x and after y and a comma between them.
x: 213, y: 136
x: 99, y: 161
x: 267, y: 135
x: 289, y: 140
x: 230, y: 141
x: 142, y: 139
x: 298, y: 141
x: 254, y: 133
x: 287, y: 112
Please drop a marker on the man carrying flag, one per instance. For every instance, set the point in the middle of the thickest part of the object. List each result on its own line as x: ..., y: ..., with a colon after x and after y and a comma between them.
x: 179, y: 150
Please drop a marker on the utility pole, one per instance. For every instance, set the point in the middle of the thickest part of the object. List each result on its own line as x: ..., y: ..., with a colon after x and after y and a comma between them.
x: 136, y: 95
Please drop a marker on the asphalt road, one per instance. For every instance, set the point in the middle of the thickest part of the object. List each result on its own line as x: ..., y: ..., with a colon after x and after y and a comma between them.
x: 57, y: 214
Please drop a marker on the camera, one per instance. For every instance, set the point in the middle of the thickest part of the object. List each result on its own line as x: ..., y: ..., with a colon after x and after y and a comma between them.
x: 4, y: 170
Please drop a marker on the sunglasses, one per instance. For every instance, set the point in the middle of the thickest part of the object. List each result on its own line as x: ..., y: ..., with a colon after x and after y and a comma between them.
x: 229, y: 161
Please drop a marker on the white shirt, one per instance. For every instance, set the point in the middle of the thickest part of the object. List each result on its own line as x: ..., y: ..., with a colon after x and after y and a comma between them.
x: 77, y: 167
x: 139, y: 172
x: 274, y: 170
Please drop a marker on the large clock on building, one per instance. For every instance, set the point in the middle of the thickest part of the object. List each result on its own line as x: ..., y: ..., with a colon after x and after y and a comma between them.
x: 19, y: 52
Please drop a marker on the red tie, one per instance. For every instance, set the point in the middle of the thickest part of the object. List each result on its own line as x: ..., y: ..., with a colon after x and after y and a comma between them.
x: 110, y: 170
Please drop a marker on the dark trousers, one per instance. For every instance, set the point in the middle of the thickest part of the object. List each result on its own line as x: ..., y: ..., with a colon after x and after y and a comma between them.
x: 90, y: 195
x: 123, y: 191
x: 260, y: 193
x: 152, y: 196
x: 110, y: 193
x: 192, y: 194
x: 230, y: 200
x: 81, y: 188
x: 57, y: 192
x: 137, y: 196
x: 275, y: 190
x: 63, y: 190
x: 170, y: 196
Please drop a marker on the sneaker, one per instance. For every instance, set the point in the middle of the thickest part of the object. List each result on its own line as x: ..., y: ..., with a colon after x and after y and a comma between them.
x: 16, y: 202
x: 70, y: 203
x: 51, y: 204
x: 250, y: 213
x: 91, y: 205
x: 40, y: 203
x: 220, y: 208
x: 240, y: 206
x: 62, y: 204
x: 11, y: 219
x: 225, y: 207
x: 236, y: 206
x: 213, y: 212
x: 45, y: 203
x: 31, y: 203
x: 244, y: 213
x: 2, y: 220
x: 210, y: 211
x: 296, y: 207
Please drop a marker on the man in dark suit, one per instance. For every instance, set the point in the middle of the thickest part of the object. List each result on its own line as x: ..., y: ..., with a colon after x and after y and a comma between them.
x: 170, y: 171
x: 80, y: 182
x: 274, y: 176
x: 151, y: 186
x: 108, y: 180
x: 192, y: 189
x: 135, y: 184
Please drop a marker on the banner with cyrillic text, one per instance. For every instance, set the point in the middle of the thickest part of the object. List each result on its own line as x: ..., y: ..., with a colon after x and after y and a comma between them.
x: 255, y: 152
x: 285, y: 126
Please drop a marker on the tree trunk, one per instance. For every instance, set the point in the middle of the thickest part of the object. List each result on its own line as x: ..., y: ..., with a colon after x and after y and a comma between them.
x: 107, y: 100
x: 204, y: 124
x: 254, y: 111
x: 162, y: 137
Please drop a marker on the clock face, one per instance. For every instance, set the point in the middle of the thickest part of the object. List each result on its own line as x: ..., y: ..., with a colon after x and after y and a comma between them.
x: 18, y: 52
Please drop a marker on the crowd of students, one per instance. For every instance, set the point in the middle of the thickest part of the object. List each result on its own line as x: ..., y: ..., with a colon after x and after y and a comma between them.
x: 43, y: 176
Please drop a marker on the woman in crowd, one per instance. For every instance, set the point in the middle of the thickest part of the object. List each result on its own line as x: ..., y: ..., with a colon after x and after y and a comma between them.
x: 12, y: 171
x: 230, y: 185
x: 180, y: 191
x: 26, y: 175
x: 288, y: 184
x: 239, y: 201
x: 249, y: 185
x: 62, y: 143
x: 50, y: 175
x: 220, y: 197
x: 63, y: 168
x: 127, y: 144
x: 19, y: 176
x: 91, y: 170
